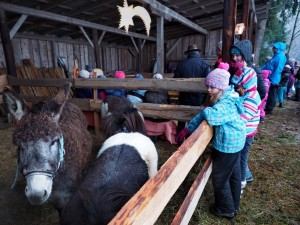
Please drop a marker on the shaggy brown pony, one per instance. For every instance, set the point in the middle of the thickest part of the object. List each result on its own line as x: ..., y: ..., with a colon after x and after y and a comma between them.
x: 54, y: 146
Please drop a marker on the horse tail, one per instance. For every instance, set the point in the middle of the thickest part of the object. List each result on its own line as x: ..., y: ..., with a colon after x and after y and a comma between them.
x: 130, y: 120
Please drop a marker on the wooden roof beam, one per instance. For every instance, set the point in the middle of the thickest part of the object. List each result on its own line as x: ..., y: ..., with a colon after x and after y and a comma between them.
x: 54, y: 3
x: 174, y: 15
x: 56, y: 17
x: 72, y: 13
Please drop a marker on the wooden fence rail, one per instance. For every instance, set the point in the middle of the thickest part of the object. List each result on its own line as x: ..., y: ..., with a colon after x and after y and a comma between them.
x: 172, y: 112
x: 148, y: 203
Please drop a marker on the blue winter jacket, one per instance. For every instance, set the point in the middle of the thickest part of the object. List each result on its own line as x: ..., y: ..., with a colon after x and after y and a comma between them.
x: 115, y: 92
x: 276, y: 64
x: 224, y: 116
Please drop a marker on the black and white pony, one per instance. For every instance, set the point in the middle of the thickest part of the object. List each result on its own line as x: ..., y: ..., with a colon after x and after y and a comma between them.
x: 123, y: 165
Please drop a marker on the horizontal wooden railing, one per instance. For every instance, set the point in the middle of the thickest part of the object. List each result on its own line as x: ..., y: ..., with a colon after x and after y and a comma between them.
x: 172, y: 112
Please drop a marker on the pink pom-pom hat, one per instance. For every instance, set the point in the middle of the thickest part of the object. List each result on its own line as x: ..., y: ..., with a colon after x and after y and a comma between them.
x: 219, y: 78
x: 119, y: 74
x: 266, y: 73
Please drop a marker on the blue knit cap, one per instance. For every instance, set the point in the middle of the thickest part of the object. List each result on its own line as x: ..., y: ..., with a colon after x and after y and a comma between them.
x: 235, y: 51
x: 140, y: 76
x: 101, y: 76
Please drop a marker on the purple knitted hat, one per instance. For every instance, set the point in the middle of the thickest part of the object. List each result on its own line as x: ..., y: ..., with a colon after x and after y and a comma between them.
x: 219, y: 78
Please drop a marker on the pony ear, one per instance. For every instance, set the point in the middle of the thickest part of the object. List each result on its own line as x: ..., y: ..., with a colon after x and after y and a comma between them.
x: 15, y: 104
x: 60, y: 99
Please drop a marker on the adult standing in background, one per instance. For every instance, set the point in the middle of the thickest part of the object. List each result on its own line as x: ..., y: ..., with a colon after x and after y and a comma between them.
x: 287, y: 71
x: 191, y: 67
x: 276, y: 65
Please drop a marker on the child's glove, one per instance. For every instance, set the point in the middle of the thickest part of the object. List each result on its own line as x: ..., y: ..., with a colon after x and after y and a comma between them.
x: 239, y: 89
x: 182, y: 135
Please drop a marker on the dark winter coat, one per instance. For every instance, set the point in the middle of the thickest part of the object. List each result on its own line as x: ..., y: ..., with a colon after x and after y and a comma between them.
x: 157, y: 97
x: 191, y: 67
x: 84, y: 93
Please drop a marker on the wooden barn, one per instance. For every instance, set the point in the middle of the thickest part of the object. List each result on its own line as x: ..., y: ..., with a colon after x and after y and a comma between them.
x: 45, y: 43
x: 42, y: 31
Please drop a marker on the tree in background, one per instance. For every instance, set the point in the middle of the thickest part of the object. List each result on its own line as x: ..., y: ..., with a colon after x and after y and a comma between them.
x: 279, y: 13
x: 295, y: 32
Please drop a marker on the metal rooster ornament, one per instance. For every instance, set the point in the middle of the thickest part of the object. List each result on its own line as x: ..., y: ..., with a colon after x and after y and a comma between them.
x: 128, y: 12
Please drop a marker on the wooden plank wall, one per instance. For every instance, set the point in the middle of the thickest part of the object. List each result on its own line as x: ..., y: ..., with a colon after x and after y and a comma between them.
x: 43, y: 53
x: 214, y: 38
x: 208, y: 52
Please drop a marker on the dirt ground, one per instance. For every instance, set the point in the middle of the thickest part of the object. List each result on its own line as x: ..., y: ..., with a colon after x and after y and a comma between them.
x: 273, y: 197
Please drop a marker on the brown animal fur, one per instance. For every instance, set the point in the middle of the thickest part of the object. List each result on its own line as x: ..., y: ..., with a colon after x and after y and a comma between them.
x: 37, y: 123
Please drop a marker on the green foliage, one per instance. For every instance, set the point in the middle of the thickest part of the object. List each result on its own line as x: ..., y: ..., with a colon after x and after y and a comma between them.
x: 279, y: 13
x: 275, y: 28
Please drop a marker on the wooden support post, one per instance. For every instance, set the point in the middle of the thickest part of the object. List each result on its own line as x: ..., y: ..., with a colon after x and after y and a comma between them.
x: 140, y: 60
x: 95, y: 91
x: 54, y: 53
x: 96, y: 48
x: 229, y: 22
x: 7, y: 46
x: 160, y: 45
x: 96, y: 114
x: 246, y: 8
x: 251, y: 18
x: 253, y: 34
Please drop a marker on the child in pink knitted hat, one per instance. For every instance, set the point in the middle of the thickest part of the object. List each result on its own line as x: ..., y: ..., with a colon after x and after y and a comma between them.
x: 119, y: 75
x: 223, y: 113
x: 267, y: 83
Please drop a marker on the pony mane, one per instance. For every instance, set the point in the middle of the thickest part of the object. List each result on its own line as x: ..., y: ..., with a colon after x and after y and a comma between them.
x: 129, y: 120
